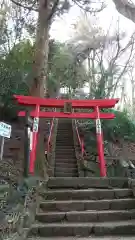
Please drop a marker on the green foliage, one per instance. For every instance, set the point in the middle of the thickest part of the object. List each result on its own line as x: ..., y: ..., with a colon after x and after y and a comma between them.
x: 14, y: 75
x: 121, y: 127
x: 16, y: 72
x: 63, y: 71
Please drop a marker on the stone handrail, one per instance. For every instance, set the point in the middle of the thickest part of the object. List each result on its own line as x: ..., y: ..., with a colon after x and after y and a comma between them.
x: 78, y: 152
x: 51, y: 153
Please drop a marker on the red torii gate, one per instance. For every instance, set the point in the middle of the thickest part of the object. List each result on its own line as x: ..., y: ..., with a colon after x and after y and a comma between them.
x: 96, y: 105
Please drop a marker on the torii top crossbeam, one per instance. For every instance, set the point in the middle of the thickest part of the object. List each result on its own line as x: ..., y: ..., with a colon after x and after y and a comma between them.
x: 59, y: 103
x: 96, y: 105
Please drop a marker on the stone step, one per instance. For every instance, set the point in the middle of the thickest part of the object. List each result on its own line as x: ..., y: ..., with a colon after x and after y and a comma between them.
x: 67, y: 129
x: 85, y: 183
x: 65, y: 170
x: 68, y: 164
x: 9, y: 154
x: 85, y: 205
x: 64, y: 126
x: 66, y: 161
x: 86, y: 216
x: 62, y: 150
x: 68, y: 169
x: 68, y: 174
x: 64, y: 143
x: 60, y: 164
x: 88, y: 194
x: 66, y: 137
x: 65, y: 153
x: 64, y: 140
x: 70, y: 161
x: 83, y: 229
x: 66, y: 133
x: 65, y: 157
x: 67, y: 147
x: 87, y: 238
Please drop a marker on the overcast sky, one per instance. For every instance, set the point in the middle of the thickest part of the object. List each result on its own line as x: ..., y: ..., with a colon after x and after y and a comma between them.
x: 61, y: 29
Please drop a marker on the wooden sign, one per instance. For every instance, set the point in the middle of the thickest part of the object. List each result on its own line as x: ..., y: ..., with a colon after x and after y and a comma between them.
x: 98, y: 126
x: 67, y: 107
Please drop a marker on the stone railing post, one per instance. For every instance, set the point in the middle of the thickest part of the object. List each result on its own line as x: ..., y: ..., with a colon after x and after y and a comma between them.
x: 51, y: 154
x: 79, y: 158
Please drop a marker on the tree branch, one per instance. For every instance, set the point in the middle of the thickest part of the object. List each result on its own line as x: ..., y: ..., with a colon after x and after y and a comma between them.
x: 88, y: 10
x: 55, y: 5
x: 126, y: 8
x: 24, y: 6
x: 124, y: 69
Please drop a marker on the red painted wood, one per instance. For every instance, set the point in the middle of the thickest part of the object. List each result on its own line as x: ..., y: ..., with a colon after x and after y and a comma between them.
x: 34, y: 144
x: 100, y: 146
x: 59, y: 103
x: 71, y: 115
x: 50, y: 135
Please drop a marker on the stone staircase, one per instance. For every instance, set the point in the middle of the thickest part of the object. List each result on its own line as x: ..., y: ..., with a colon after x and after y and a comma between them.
x: 85, y: 208
x: 65, y: 160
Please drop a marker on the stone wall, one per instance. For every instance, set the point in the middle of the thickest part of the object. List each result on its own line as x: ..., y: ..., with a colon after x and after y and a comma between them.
x: 17, y: 211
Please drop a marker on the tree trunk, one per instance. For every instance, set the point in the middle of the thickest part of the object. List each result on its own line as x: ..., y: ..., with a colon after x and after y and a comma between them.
x: 126, y: 8
x: 133, y: 98
x: 89, y: 72
x: 39, y: 83
x: 38, y: 87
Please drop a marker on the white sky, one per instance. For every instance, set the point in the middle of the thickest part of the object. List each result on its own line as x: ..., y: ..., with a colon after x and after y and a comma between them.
x: 62, y: 27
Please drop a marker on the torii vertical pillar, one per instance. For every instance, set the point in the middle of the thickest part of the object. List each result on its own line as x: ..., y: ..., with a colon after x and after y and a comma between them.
x: 100, y: 144
x: 34, y: 140
x: 95, y: 104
